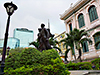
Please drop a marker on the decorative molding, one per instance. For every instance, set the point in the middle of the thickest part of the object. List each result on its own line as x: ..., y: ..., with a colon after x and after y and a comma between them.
x: 89, y: 5
x: 75, y: 8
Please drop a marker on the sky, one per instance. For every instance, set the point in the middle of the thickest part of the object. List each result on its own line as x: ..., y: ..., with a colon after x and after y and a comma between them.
x: 31, y: 13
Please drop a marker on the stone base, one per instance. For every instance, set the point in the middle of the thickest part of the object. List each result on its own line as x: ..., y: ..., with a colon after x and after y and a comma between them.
x: 84, y: 72
x: 94, y: 72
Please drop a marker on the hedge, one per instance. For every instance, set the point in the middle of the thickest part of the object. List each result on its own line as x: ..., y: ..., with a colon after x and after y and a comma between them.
x: 79, y: 66
x: 33, y: 62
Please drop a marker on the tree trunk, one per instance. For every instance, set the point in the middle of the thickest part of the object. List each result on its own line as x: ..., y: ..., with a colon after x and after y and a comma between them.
x: 80, y: 54
x: 75, y: 58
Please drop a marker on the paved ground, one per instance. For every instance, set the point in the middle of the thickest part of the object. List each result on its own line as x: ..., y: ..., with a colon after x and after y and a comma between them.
x: 76, y: 72
x: 84, y: 72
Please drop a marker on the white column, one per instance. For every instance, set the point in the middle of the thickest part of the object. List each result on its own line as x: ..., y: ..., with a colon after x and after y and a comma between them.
x: 67, y: 27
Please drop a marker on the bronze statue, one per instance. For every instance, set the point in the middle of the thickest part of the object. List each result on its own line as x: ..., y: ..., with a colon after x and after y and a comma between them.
x: 43, y: 38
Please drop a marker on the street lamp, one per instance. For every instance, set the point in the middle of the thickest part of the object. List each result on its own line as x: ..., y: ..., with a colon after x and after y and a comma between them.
x: 10, y: 8
x: 8, y: 48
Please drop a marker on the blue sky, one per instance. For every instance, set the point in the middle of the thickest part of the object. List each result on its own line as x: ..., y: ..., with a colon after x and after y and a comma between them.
x: 31, y: 13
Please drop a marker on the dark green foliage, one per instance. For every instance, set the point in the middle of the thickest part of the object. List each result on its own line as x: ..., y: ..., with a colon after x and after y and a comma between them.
x: 52, y: 42
x: 56, y: 68
x: 96, y: 63
x: 35, y: 43
x: 16, y: 50
x: 33, y: 62
x: 79, y: 66
x: 25, y: 57
x: 47, y: 55
x: 13, y: 51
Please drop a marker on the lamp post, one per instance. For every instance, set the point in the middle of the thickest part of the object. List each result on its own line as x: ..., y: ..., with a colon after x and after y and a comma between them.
x: 10, y: 8
x: 8, y: 48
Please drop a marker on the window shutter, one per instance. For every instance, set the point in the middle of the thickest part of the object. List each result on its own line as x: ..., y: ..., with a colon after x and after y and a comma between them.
x: 92, y: 13
x: 83, y: 48
x: 70, y: 26
x: 81, y: 20
x: 86, y: 46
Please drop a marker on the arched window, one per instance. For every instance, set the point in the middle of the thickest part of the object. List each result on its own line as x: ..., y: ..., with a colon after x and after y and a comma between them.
x: 81, y: 20
x: 85, y: 46
x: 92, y: 13
x: 70, y: 26
x: 96, y: 39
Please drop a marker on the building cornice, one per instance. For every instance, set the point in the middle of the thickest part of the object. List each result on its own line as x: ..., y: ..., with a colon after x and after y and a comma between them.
x: 77, y: 6
x: 59, y: 34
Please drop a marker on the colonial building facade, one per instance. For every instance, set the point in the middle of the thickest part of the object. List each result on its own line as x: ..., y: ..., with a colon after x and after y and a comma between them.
x: 85, y: 14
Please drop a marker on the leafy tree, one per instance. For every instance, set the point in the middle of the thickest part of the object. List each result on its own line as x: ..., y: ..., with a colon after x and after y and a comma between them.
x: 66, y: 54
x: 69, y: 42
x: 79, y: 39
x: 53, y: 43
x: 75, y: 38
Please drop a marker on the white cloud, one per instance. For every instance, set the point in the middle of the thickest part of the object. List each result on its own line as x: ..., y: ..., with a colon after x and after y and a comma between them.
x: 31, y: 13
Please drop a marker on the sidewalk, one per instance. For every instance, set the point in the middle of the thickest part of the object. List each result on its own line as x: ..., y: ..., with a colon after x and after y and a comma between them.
x: 85, y: 72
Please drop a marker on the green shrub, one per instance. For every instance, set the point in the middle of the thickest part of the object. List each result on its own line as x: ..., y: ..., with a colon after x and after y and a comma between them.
x: 16, y: 50
x: 47, y: 55
x: 84, y: 65
x: 32, y: 62
x: 71, y: 66
x: 58, y: 69
x: 96, y: 63
x: 25, y: 57
x: 79, y: 66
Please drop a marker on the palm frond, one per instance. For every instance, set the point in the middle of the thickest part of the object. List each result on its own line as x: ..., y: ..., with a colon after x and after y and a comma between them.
x: 86, y: 39
x: 57, y: 48
x: 84, y: 34
x: 36, y: 44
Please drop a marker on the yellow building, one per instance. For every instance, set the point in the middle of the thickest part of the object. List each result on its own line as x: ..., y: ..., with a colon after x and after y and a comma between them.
x: 59, y: 37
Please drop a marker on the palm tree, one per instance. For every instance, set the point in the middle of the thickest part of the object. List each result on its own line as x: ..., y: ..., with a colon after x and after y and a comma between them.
x: 78, y: 38
x: 51, y: 41
x: 75, y: 38
x: 69, y: 42
x: 35, y: 43
x: 66, y: 54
